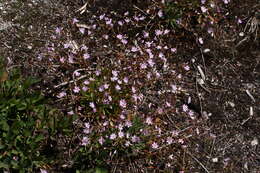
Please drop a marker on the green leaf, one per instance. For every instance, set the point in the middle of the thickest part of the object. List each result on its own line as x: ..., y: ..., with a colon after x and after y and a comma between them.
x: 3, y: 165
x: 4, y: 126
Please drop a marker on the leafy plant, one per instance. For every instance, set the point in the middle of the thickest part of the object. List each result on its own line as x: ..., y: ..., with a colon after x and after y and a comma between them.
x: 25, y: 124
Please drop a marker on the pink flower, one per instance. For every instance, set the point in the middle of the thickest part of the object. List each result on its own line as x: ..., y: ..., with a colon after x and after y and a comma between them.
x: 121, y: 134
x: 122, y: 103
x: 120, y: 23
x: 185, y: 108
x: 85, y: 141
x: 62, y: 94
x: 76, y: 73
x: 149, y: 121
x: 84, y: 88
x: 112, y: 136
x: 173, y: 50
x: 135, y: 138
x: 82, y: 30
x: 119, y: 36
x: 125, y: 80
x: 186, y: 67
x: 86, y: 82
x: 155, y: 145
x: 86, y: 56
x: 58, y: 30
x: 124, y: 41
x: 70, y: 113
x: 226, y: 1
x: 92, y: 105
x: 200, y: 40
x: 101, y: 140
x: 134, y: 49
x: 146, y: 34
x: 169, y: 140
x: 105, y: 36
x: 160, y: 13
x: 118, y: 87
x: 158, y: 32
x: 128, y: 123
x: 203, y: 9
x: 76, y: 89
x: 75, y: 20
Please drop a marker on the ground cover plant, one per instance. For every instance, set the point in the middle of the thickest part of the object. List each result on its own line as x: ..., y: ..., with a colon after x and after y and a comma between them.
x: 151, y: 86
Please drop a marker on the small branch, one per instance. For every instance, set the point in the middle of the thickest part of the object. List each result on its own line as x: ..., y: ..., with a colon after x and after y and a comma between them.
x: 68, y: 82
x: 198, y: 162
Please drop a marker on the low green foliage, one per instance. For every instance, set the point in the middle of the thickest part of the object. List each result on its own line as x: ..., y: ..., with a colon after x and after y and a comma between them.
x: 177, y: 11
x: 25, y: 125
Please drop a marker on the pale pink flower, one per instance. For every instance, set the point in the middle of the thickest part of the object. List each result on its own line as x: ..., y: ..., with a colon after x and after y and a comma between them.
x: 85, y: 141
x: 82, y: 30
x: 135, y: 138
x: 201, y: 40
x: 143, y: 66
x: 86, y: 82
x: 185, y: 108
x: 62, y: 94
x: 226, y: 1
x: 203, y: 9
x: 120, y: 23
x: 122, y: 103
x: 84, y: 88
x: 118, y: 87
x: 87, y: 125
x: 158, y: 32
x: 174, y: 88
x: 173, y: 50
x: 43, y: 171
x: 186, y: 67
x: 71, y: 61
x: 76, y: 89
x: 101, y: 17
x: 169, y: 140
x: 105, y: 36
x: 166, y: 31
x: 146, y: 34
x: 124, y: 41
x: 112, y: 136
x: 150, y: 62
x: 119, y: 36
x: 128, y: 123
x: 70, y: 112
x: 121, y: 134
x: 134, y: 49
x: 75, y: 20
x: 58, y: 30
x: 86, y: 56
x: 62, y: 60
x: 161, y: 55
x: 125, y: 80
x: 160, y: 13
x: 101, y: 140
x: 155, y: 145
x: 76, y: 73
x: 149, y: 121
x: 92, y: 105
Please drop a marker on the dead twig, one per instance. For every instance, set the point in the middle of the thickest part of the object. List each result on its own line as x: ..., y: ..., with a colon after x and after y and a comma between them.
x: 198, y: 162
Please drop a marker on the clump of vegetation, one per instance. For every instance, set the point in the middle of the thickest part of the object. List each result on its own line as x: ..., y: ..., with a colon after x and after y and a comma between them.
x: 26, y: 124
